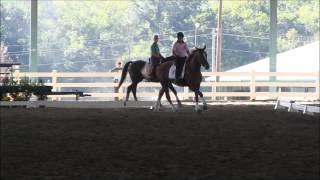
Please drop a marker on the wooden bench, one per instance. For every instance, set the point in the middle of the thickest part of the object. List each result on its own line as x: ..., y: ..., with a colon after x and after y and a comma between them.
x: 8, y: 65
x: 77, y: 93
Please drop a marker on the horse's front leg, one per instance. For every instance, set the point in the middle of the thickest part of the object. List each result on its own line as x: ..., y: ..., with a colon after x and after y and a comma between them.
x: 205, y: 106
x: 197, y: 108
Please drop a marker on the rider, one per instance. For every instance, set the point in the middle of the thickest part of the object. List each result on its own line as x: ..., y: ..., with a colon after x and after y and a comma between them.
x: 180, y: 51
x: 155, y: 54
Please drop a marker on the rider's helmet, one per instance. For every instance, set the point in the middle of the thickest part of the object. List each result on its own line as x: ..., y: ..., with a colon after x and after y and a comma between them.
x: 180, y: 35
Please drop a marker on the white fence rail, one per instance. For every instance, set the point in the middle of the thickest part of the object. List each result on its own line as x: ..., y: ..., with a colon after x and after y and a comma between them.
x: 252, y: 85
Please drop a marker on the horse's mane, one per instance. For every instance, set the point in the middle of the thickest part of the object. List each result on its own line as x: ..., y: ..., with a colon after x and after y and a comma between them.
x: 192, y: 53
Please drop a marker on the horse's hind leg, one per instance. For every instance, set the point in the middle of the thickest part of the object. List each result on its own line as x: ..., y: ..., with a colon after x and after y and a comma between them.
x: 135, y: 81
x: 175, y: 93
x: 157, y: 105
x: 129, y: 88
x: 205, y: 106
x: 134, y: 91
x: 169, y: 99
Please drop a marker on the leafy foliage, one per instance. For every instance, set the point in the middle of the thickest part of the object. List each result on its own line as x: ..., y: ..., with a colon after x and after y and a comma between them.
x: 93, y: 35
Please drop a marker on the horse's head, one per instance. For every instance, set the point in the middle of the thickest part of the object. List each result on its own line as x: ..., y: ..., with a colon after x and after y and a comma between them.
x: 200, y: 55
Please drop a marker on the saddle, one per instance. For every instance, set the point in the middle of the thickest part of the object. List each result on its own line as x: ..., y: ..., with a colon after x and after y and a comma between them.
x: 146, y: 71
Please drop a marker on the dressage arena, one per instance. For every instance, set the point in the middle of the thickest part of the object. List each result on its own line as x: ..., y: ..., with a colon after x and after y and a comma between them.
x: 223, y: 142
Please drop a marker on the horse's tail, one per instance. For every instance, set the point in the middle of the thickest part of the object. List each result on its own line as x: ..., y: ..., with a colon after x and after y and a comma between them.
x: 124, y: 73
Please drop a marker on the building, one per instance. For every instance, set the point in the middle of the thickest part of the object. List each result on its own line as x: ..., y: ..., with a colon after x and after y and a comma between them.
x: 301, y: 59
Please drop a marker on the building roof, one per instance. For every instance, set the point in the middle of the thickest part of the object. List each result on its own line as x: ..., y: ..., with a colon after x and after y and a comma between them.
x: 302, y: 59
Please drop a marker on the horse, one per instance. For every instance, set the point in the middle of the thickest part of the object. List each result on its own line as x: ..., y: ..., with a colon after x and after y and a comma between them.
x: 135, y: 69
x: 192, y: 77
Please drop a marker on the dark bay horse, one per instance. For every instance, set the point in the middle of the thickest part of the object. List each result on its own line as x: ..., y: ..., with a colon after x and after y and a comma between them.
x: 135, y: 69
x: 192, y: 77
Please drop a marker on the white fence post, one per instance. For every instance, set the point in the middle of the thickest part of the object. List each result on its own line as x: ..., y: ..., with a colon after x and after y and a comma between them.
x: 213, y: 91
x: 185, y: 91
x: 252, y: 86
x: 54, y: 79
x: 17, y: 76
x: 318, y: 85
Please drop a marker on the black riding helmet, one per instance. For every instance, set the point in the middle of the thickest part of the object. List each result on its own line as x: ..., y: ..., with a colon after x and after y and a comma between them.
x: 180, y: 35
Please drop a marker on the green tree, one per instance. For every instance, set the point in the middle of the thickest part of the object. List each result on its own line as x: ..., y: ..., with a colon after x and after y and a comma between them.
x: 92, y: 35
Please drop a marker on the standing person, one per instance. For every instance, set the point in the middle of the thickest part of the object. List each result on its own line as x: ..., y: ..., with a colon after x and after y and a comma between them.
x: 118, y: 68
x: 155, y: 54
x: 180, y: 51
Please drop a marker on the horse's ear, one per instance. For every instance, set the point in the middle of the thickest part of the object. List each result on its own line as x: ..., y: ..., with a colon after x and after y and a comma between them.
x: 205, y: 46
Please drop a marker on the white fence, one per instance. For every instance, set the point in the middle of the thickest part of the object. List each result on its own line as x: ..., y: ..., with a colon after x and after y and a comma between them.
x: 294, y: 107
x: 252, y: 84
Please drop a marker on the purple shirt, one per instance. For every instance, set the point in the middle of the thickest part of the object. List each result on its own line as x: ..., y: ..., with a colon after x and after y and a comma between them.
x: 180, y: 49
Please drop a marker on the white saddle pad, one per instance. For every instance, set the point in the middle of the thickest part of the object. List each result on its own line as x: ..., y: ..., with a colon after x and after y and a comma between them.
x: 172, y: 71
x: 146, y: 70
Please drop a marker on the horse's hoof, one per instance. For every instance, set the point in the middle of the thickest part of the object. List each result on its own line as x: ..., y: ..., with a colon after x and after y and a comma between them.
x: 199, y: 111
x: 205, y: 107
x: 155, y: 108
x: 125, y: 103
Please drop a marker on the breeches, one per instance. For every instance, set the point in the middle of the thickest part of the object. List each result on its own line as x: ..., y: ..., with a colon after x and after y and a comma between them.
x: 179, y: 65
x: 155, y: 60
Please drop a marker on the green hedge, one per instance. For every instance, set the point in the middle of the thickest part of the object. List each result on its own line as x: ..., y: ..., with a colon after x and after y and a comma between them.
x: 24, y: 92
